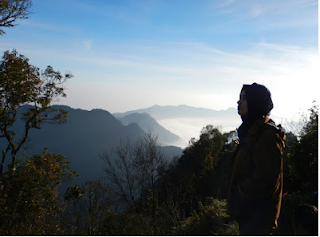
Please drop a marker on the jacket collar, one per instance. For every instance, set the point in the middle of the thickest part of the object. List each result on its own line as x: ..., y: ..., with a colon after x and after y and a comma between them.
x: 257, y: 125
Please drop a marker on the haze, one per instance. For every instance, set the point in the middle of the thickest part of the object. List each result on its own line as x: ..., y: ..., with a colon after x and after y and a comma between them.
x: 129, y: 54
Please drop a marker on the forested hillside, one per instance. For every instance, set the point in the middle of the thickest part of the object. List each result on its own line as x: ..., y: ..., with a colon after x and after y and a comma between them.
x: 82, y: 139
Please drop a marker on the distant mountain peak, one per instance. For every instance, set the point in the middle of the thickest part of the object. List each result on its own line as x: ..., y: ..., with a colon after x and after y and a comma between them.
x: 179, y: 111
x: 149, y: 124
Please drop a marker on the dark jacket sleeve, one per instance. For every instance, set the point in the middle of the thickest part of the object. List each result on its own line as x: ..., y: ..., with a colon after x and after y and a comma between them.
x: 265, y: 178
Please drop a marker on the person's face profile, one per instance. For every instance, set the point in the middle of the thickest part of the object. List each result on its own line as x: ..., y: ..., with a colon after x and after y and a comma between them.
x: 242, y: 104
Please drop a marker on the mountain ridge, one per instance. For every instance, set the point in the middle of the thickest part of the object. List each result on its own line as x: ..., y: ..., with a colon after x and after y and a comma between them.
x: 150, y: 125
x: 170, y: 111
x: 187, y: 121
x: 82, y: 139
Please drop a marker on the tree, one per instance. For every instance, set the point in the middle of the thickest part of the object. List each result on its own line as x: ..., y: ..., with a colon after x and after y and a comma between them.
x: 88, y: 209
x: 300, y: 169
x: 72, y: 215
x: 304, y: 156
x: 133, y: 170
x: 288, y: 176
x: 211, y: 219
x: 22, y: 84
x: 12, y: 10
x: 29, y: 200
x: 201, y: 158
x: 194, y: 177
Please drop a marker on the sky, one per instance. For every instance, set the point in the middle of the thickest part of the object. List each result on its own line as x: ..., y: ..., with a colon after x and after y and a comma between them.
x: 133, y: 54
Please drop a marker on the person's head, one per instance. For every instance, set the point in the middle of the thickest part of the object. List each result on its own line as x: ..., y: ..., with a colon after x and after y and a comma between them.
x: 305, y: 220
x: 255, y: 101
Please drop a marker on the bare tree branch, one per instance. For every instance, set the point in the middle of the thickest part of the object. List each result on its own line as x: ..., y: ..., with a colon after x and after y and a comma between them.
x: 12, y: 10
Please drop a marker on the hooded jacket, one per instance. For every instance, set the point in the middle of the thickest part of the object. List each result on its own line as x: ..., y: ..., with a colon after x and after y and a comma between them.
x: 256, y: 174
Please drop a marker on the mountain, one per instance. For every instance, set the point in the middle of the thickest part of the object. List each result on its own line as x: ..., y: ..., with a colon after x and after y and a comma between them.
x: 83, y: 138
x: 149, y: 124
x: 187, y: 122
x: 180, y: 111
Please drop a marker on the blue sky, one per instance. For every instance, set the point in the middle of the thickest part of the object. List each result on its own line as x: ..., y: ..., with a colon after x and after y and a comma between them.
x: 131, y: 54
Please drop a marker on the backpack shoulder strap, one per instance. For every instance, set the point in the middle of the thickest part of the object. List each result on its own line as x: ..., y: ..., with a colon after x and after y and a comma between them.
x: 279, y: 129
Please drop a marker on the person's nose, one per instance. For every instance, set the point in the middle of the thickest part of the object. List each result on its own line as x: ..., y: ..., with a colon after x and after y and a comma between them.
x: 238, y: 102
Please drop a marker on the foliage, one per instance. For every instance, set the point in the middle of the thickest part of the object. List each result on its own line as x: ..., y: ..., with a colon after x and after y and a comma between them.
x: 289, y: 202
x: 88, y: 208
x: 196, y: 175
x: 303, y: 171
x: 300, y: 170
x: 222, y: 170
x: 29, y: 201
x: 133, y: 169
x: 20, y: 84
x: 12, y: 10
x: 211, y: 219
x: 136, y: 223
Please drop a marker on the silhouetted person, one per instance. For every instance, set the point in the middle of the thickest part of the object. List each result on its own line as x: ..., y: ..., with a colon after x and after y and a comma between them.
x: 255, y: 183
x: 305, y: 220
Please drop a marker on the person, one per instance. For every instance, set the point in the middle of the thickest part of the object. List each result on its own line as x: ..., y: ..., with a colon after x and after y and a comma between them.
x: 305, y: 220
x: 255, y: 182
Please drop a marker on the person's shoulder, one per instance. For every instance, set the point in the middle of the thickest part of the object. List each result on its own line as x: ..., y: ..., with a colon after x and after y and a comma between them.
x: 270, y: 129
x: 271, y: 126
